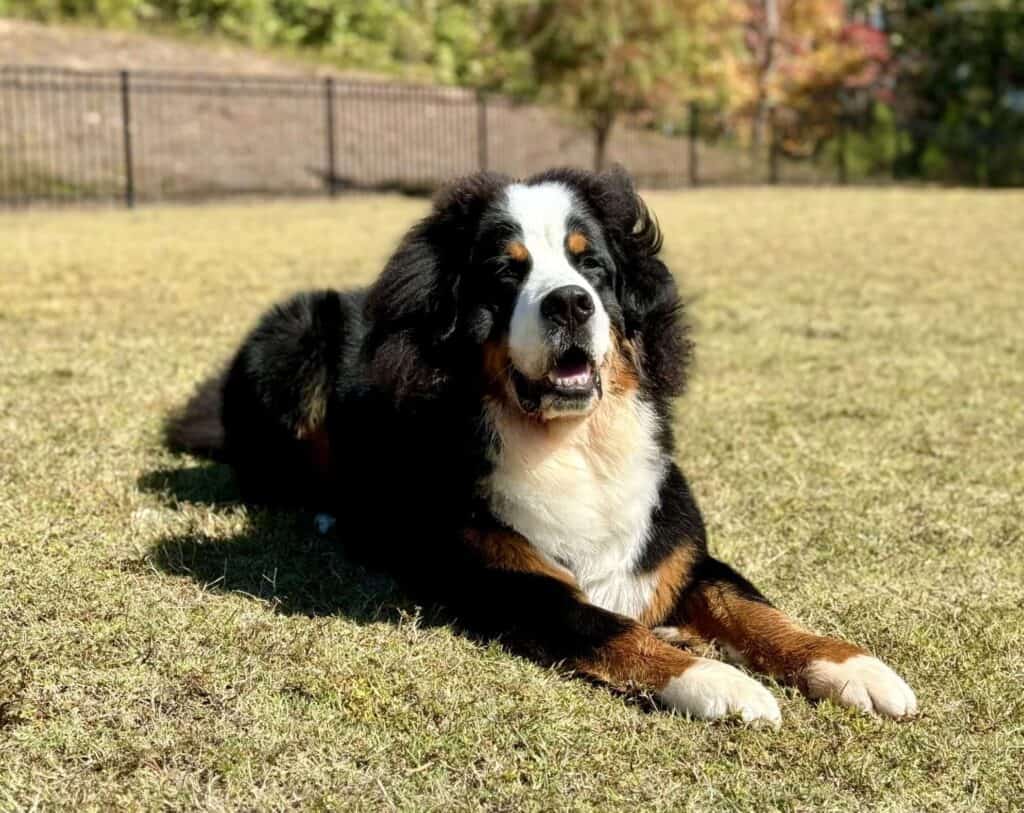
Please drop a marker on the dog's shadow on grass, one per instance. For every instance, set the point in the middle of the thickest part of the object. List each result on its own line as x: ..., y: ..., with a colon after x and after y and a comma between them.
x: 280, y: 557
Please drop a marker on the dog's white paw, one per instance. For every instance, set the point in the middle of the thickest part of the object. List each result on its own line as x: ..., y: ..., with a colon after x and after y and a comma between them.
x: 862, y: 682
x: 710, y: 690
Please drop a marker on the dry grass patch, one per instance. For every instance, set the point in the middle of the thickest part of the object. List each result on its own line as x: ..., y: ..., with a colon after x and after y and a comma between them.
x: 855, y: 434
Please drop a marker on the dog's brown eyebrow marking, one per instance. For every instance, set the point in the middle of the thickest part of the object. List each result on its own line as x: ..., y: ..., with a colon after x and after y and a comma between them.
x: 576, y: 242
x: 517, y: 251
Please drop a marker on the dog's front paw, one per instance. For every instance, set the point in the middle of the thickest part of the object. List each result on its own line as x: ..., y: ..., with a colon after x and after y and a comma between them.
x: 710, y: 690
x: 862, y: 682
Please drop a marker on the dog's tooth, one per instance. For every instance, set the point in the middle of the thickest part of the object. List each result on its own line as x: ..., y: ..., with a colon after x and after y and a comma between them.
x: 574, y: 381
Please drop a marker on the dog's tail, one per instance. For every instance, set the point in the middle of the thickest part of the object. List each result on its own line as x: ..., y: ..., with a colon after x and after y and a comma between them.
x: 197, y: 427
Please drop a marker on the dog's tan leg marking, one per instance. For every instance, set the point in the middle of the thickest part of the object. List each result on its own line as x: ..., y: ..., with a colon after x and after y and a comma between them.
x: 704, y: 689
x: 764, y: 638
x: 506, y: 550
x: 671, y: 575
x: 635, y: 657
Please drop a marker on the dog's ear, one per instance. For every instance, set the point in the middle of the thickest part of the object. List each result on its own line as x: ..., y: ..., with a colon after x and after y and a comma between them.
x: 413, y: 308
x: 652, y: 309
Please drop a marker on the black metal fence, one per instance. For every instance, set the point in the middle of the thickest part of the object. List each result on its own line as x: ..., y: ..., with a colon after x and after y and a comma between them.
x: 69, y: 136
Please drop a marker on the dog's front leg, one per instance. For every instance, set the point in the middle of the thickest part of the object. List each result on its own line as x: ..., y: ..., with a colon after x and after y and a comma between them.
x: 506, y: 586
x: 721, y: 605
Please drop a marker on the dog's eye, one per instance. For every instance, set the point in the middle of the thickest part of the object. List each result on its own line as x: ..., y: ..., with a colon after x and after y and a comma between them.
x: 594, y: 269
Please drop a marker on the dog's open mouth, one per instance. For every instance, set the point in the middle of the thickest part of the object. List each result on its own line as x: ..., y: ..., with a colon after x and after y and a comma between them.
x: 569, y: 387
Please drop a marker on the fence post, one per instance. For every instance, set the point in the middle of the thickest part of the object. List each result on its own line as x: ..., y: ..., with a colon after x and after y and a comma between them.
x: 332, y: 173
x: 897, y: 145
x: 481, y: 130
x: 841, y: 147
x: 773, y: 148
x: 694, y: 133
x: 126, y: 128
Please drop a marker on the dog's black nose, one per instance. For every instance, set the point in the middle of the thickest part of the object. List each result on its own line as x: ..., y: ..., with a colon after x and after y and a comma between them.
x: 569, y: 306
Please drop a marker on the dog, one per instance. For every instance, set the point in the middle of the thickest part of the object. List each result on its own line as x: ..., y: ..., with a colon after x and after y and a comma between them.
x: 491, y: 420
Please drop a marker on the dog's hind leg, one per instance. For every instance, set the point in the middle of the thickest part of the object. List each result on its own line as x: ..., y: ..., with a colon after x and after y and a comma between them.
x: 197, y: 427
x: 278, y: 396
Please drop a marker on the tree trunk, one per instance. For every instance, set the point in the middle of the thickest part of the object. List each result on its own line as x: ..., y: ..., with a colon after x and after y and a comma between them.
x: 602, y: 132
x: 769, y: 34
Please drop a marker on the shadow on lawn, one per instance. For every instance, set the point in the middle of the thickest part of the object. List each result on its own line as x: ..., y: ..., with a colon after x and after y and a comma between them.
x: 280, y: 557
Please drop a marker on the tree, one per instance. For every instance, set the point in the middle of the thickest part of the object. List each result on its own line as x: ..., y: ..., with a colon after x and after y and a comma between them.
x: 606, y: 58
x: 762, y: 39
x: 806, y: 62
x: 960, y: 89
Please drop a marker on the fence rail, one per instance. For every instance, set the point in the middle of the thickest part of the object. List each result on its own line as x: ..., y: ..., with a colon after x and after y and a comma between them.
x: 70, y: 136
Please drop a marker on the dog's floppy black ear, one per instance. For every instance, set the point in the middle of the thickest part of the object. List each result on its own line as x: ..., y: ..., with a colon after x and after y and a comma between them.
x: 647, y: 292
x: 413, y: 308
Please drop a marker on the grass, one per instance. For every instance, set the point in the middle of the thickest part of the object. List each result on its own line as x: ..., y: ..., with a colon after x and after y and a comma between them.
x: 854, y: 431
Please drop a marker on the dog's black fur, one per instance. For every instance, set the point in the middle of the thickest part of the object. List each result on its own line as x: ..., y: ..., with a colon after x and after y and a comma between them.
x: 403, y: 446
x: 398, y: 366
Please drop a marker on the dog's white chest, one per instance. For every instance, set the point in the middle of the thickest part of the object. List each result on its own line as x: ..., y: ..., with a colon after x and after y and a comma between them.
x: 583, y: 496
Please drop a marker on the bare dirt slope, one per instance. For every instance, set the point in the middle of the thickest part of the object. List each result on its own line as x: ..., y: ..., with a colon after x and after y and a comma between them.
x: 83, y: 48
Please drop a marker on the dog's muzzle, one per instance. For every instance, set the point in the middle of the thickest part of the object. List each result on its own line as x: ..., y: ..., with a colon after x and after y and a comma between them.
x: 570, y: 380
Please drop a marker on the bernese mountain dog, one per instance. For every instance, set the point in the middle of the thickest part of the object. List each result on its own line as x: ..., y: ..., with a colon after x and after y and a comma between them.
x: 491, y: 421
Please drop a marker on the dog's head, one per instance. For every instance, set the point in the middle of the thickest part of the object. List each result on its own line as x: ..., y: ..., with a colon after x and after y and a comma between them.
x: 543, y: 293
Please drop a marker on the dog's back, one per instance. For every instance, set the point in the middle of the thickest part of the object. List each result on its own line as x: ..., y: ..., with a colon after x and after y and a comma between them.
x: 266, y: 414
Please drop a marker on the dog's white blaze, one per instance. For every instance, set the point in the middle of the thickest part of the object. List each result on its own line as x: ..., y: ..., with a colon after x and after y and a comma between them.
x: 710, y: 690
x: 863, y: 682
x: 583, y: 494
x: 542, y: 212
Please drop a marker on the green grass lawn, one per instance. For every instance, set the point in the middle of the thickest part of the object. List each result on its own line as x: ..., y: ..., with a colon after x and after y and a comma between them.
x: 854, y: 432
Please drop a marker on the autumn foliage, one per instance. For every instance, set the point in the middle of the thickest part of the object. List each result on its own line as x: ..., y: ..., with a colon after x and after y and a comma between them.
x: 809, y: 69
x: 799, y: 63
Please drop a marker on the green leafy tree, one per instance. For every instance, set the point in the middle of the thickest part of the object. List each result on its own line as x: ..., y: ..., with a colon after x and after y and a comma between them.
x: 436, y: 40
x: 603, y: 59
x: 960, y: 92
